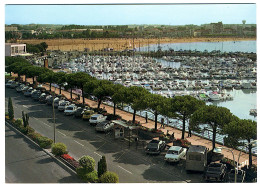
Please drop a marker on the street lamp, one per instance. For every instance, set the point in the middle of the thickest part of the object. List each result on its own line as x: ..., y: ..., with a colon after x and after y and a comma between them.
x: 218, y: 149
x: 253, y: 143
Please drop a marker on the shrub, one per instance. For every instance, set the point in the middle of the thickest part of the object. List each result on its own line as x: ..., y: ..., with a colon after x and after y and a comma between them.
x: 88, y: 163
x: 44, y: 142
x: 10, y: 109
x: 71, y: 160
x: 18, y: 123
x: 87, y: 176
x: 102, y: 166
x: 91, y: 177
x: 59, y: 149
x: 109, y: 177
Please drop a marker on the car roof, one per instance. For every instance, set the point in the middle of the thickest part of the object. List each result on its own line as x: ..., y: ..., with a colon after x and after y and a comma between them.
x: 96, y: 115
x: 175, y: 148
x: 154, y: 141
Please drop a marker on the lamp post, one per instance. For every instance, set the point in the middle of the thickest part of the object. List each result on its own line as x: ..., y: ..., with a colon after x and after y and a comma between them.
x: 215, y: 150
x: 253, y: 143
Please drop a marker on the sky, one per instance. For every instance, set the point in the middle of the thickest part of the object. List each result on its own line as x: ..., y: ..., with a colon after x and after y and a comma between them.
x: 163, y: 14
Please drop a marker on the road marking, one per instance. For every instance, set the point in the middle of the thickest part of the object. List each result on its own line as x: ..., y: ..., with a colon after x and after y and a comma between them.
x: 25, y: 106
x: 97, y: 154
x: 78, y: 143
x: 62, y: 133
x: 125, y: 169
x: 35, y: 118
x: 46, y: 124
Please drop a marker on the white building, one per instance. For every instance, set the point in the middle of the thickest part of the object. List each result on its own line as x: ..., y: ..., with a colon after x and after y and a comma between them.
x: 14, y: 49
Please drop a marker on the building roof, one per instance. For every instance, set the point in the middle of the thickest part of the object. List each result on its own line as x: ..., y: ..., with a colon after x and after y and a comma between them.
x: 197, y: 149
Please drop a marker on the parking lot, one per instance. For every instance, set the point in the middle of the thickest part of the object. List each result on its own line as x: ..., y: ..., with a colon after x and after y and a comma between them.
x: 132, y: 164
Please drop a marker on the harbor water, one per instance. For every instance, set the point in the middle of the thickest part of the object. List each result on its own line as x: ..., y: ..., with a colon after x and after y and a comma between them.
x: 228, y: 46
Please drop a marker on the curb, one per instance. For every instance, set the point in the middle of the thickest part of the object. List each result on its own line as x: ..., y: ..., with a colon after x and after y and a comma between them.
x: 44, y: 150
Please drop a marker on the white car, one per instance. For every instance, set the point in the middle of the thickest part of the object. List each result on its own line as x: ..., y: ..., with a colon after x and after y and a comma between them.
x: 175, y: 153
x: 70, y: 110
x: 97, y: 118
x: 63, y: 104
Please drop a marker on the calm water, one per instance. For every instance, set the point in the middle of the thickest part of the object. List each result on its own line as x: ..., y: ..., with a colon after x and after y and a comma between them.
x: 229, y: 46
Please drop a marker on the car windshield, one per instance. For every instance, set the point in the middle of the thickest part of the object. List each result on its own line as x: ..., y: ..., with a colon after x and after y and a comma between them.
x: 214, y: 169
x: 69, y: 108
x: 152, y: 145
x: 101, y: 124
x: 172, y: 152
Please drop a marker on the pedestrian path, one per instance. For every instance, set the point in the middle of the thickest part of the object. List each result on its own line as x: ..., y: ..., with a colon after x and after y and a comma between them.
x: 194, y: 139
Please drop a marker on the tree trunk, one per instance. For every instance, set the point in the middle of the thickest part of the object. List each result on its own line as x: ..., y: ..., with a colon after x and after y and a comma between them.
x: 183, y: 127
x: 60, y: 89
x: 114, y: 109
x: 33, y: 80
x: 134, y: 116
x: 214, y: 137
x: 83, y: 95
x: 71, y: 93
x: 99, y: 103
x: 155, y: 119
x: 250, y: 154
x: 50, y: 86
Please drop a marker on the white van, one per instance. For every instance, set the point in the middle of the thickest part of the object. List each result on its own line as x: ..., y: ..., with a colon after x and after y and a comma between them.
x: 97, y: 118
x: 196, y: 158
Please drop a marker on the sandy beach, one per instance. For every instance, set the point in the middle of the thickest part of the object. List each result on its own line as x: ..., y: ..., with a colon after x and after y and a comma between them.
x: 118, y: 44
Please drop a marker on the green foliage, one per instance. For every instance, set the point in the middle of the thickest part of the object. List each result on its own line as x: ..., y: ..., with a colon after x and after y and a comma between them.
x: 18, y: 123
x: 109, y: 177
x: 87, y: 176
x: 59, y: 149
x: 213, y: 116
x: 88, y: 163
x: 25, y: 119
x: 10, y: 109
x: 42, y: 141
x: 102, y: 166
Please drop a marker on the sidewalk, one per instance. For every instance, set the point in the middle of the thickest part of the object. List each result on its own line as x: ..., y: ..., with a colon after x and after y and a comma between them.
x: 195, y: 140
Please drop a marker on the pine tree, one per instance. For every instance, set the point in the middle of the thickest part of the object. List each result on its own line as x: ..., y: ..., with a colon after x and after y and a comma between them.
x: 10, y: 109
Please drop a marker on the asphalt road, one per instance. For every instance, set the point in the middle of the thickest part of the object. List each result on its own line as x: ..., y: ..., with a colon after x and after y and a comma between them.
x: 131, y: 164
x: 27, y: 163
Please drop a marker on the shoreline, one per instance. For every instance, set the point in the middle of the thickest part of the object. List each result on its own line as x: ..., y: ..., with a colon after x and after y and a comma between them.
x: 119, y: 44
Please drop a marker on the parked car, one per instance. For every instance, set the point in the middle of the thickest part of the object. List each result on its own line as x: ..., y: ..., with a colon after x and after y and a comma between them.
x: 175, y: 154
x: 28, y: 93
x: 104, y: 126
x: 9, y: 83
x: 14, y: 84
x: 56, y: 102
x: 240, y: 176
x: 70, y: 110
x: 215, y: 171
x: 79, y: 112
x: 63, y: 104
x: 155, y: 147
x: 19, y: 88
x: 87, y: 114
x: 25, y: 88
x: 49, y: 100
x: 42, y: 98
x: 97, y: 118
x: 36, y: 95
